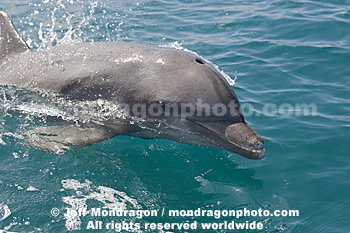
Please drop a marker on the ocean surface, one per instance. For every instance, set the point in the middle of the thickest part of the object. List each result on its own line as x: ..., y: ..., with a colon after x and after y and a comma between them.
x: 283, y: 55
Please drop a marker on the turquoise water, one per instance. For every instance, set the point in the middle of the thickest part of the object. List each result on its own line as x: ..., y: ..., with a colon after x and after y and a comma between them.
x: 284, y: 53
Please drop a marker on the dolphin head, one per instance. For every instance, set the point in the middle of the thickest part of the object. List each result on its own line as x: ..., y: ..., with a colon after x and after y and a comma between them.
x: 208, y: 111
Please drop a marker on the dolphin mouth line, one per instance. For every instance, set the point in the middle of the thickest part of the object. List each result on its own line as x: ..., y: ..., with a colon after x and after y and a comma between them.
x: 260, y: 152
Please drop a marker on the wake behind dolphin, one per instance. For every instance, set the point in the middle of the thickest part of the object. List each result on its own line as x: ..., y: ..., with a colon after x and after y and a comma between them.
x: 140, y: 90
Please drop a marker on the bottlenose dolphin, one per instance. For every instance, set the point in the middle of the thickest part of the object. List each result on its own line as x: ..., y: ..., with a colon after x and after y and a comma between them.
x: 165, y: 93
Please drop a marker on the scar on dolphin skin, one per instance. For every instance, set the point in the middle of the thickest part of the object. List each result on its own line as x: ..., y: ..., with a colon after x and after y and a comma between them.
x: 128, y: 74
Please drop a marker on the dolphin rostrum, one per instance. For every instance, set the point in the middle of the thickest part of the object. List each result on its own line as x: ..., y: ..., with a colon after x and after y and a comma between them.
x: 151, y: 92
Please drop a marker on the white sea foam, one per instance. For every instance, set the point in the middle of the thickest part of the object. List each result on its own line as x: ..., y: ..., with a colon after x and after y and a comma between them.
x: 110, y: 198
x: 31, y: 189
x: 4, y: 211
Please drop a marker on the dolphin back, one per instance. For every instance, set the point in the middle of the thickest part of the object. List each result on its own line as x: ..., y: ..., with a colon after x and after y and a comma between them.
x: 10, y: 41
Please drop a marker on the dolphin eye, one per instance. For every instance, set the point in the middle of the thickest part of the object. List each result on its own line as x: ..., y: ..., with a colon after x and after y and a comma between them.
x: 200, y: 61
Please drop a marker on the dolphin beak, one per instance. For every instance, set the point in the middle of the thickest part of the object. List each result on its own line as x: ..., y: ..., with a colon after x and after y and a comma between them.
x: 238, y: 138
x: 250, y: 144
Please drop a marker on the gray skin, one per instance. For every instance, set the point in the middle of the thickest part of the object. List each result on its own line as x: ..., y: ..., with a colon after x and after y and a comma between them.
x: 127, y: 73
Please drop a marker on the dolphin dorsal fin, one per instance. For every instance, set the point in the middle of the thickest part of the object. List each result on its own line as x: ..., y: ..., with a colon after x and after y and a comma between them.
x: 10, y: 41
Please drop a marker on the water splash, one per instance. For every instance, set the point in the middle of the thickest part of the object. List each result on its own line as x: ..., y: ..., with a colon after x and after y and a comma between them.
x: 43, y: 105
x: 73, y: 21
